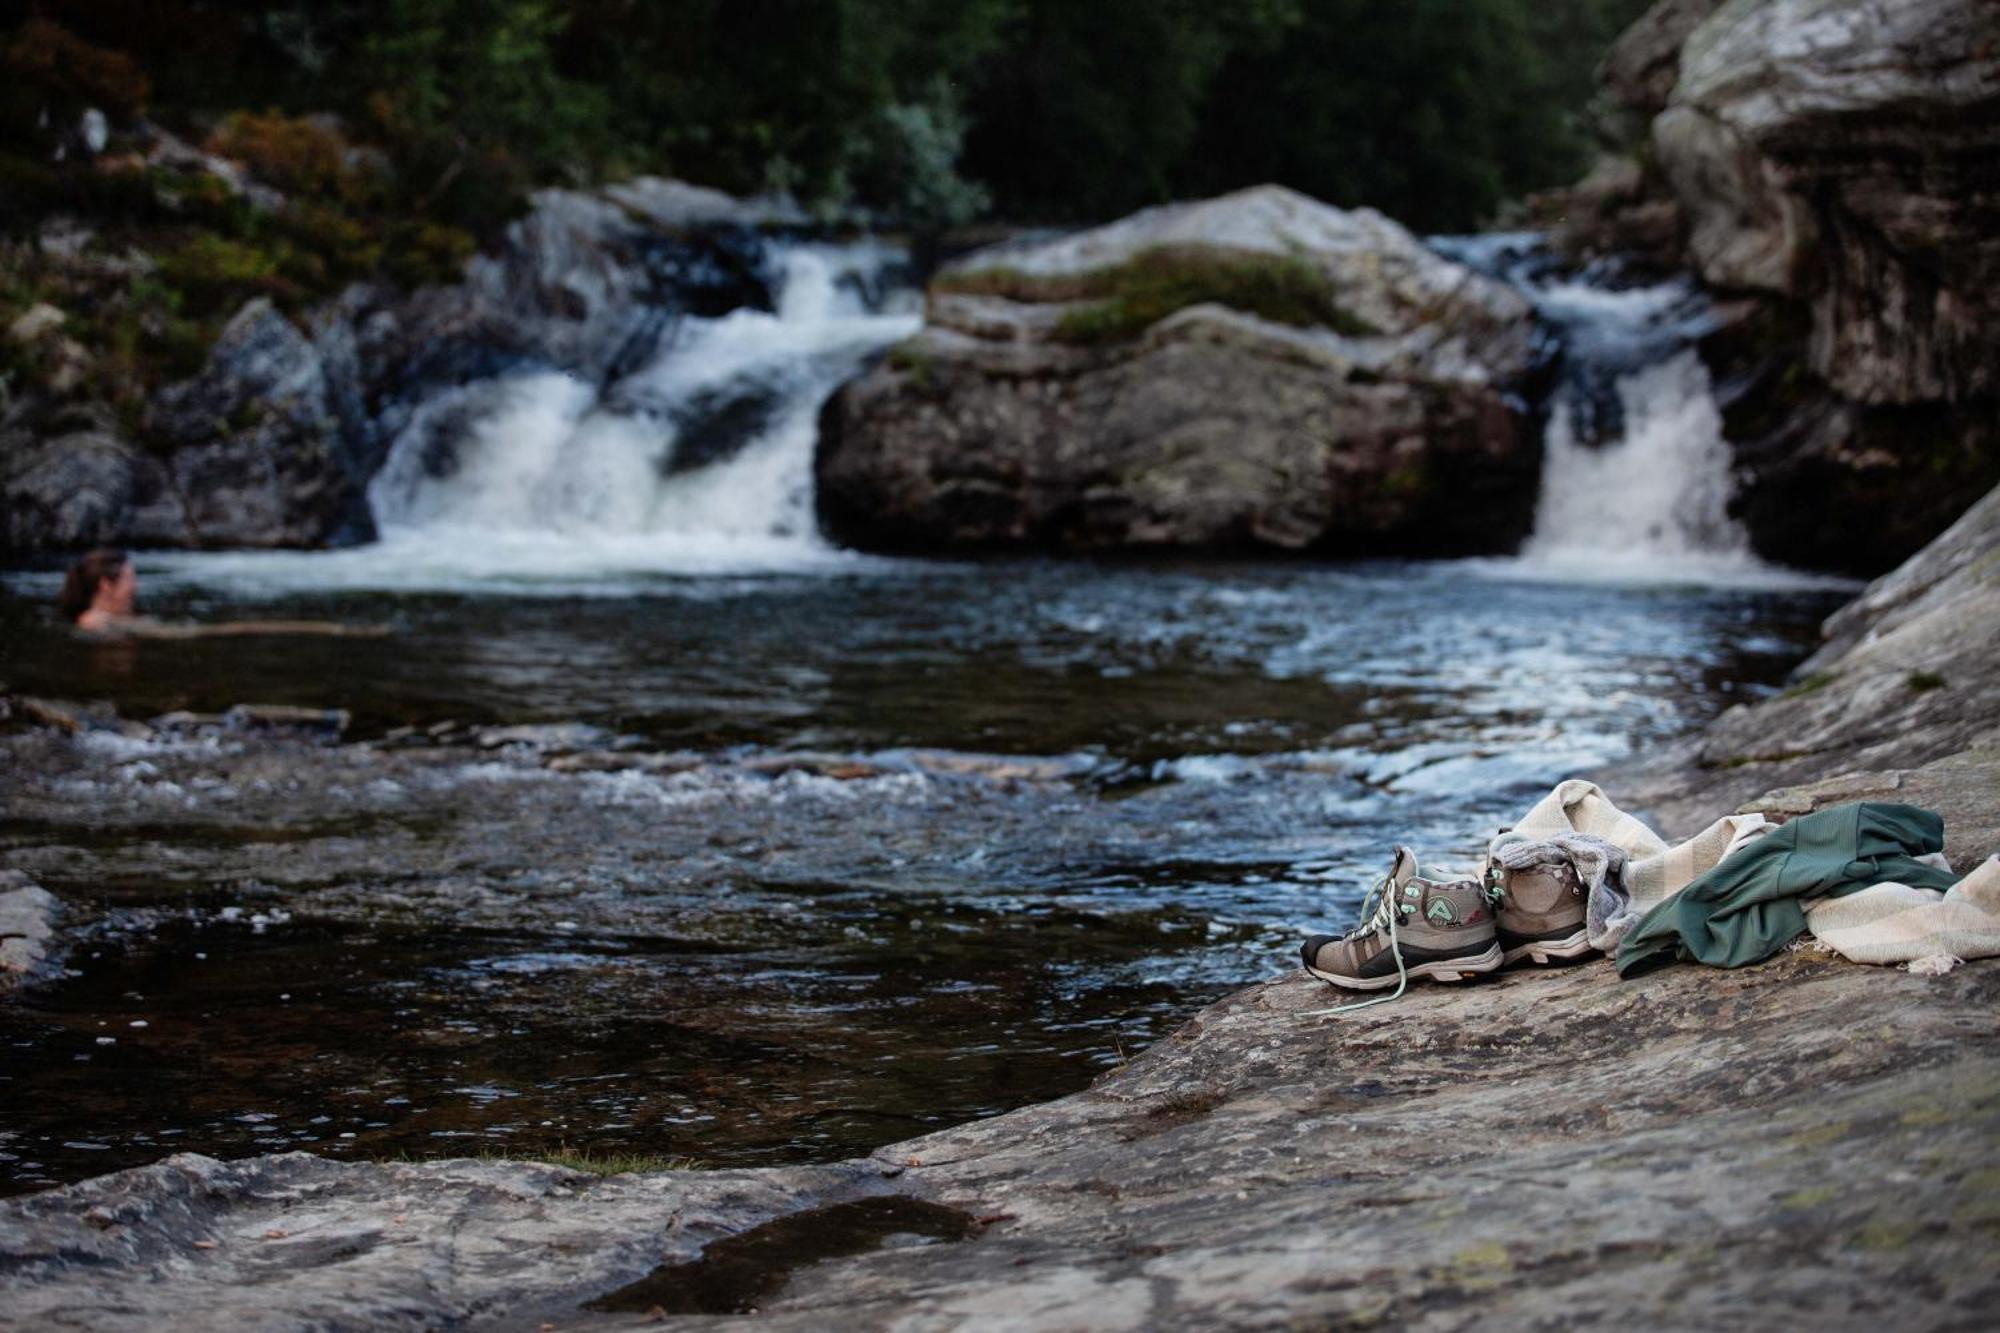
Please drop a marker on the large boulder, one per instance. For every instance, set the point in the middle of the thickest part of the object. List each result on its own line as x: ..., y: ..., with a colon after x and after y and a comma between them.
x: 1826, y: 168
x: 1255, y: 370
x: 1638, y: 73
x: 259, y: 452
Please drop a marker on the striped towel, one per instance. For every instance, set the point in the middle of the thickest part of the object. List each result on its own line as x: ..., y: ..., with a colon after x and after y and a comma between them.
x: 1895, y: 923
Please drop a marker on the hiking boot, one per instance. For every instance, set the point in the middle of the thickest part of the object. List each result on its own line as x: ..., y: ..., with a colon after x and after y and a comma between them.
x: 1539, y: 911
x: 1420, y: 928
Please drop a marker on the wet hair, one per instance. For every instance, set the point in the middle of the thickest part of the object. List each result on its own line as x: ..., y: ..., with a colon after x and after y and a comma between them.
x: 79, y: 586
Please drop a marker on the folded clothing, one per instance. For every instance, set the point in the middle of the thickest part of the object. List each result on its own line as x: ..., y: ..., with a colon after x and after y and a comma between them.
x: 1647, y: 874
x: 1750, y: 904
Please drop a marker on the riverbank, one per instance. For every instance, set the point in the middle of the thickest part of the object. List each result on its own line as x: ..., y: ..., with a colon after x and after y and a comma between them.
x: 1690, y: 1148
x: 1702, y: 1149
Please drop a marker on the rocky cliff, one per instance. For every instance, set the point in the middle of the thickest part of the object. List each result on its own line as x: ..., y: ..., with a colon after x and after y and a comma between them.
x: 1829, y: 164
x: 1254, y: 370
x: 1901, y: 703
x: 273, y: 442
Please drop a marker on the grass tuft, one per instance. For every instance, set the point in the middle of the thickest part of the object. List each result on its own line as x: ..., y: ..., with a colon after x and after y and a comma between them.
x: 576, y: 1159
x: 1119, y: 302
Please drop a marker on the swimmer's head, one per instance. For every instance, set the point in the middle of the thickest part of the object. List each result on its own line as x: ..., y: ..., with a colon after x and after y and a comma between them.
x: 104, y: 579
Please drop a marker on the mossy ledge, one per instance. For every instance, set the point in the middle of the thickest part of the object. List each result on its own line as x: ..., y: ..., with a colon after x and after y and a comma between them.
x: 1118, y: 302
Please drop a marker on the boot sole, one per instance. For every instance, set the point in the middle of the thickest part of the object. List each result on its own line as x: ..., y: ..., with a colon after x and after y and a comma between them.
x: 1543, y: 951
x: 1441, y: 969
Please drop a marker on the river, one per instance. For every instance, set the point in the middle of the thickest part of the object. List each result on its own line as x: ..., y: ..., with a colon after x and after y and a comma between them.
x: 815, y: 851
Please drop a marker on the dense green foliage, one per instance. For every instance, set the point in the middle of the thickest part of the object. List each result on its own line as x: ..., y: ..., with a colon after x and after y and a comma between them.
x: 927, y: 111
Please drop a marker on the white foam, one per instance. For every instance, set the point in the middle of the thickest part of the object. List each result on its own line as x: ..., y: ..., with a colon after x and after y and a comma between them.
x: 1661, y: 492
x: 545, y: 484
x: 547, y: 454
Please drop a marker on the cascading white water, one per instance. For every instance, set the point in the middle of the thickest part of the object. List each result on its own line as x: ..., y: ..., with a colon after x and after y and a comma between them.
x: 1635, y: 470
x: 1657, y: 493
x: 543, y: 465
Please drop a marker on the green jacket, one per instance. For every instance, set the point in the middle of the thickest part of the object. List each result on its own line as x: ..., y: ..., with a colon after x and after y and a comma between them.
x: 1748, y: 907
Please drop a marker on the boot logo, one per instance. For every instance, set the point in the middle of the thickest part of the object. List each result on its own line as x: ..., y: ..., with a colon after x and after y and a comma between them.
x: 1442, y: 912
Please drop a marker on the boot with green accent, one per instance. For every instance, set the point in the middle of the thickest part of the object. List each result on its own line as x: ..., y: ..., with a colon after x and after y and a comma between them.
x: 1419, y: 928
x: 1539, y: 903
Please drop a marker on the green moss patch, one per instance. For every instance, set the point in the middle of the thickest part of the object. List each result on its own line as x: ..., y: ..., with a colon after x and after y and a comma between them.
x: 1119, y: 302
x: 577, y: 1159
x: 1812, y: 684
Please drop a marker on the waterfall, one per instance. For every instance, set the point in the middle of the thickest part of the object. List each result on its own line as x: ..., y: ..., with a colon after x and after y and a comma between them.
x: 1636, y: 474
x: 702, y: 454
x: 1659, y: 492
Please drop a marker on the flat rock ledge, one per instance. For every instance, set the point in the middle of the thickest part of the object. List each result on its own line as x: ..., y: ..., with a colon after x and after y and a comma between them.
x: 1808, y: 1142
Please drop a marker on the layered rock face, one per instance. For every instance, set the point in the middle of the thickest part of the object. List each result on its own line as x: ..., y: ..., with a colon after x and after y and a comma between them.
x: 1257, y: 370
x: 1901, y: 703
x: 273, y: 443
x: 1833, y: 161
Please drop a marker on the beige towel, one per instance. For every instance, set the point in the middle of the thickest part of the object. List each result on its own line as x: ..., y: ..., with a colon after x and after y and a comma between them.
x: 1895, y: 923
x: 1577, y: 806
x: 1654, y: 879
x: 1655, y: 871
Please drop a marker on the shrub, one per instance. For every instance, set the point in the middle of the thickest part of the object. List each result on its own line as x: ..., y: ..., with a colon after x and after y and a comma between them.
x: 60, y: 66
x: 214, y: 272
x: 420, y: 254
x: 296, y: 154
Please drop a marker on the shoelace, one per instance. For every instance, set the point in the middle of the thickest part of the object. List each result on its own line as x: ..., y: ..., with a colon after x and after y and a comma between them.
x: 1388, y: 910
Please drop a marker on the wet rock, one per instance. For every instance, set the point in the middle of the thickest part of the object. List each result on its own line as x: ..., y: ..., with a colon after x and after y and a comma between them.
x: 818, y: 765
x: 183, y: 720
x: 365, y: 1246
x: 259, y: 452
x: 273, y: 444
x: 624, y: 761
x: 1638, y: 73
x: 1904, y: 692
x: 1837, y: 156
x: 1812, y: 471
x: 1551, y: 1145
x: 1207, y: 427
x: 328, y: 722
x: 1840, y: 152
x: 47, y: 713
x: 84, y: 487
x: 543, y: 736
x: 28, y: 915
x: 72, y: 718
x: 585, y: 283
x: 1622, y: 209
x: 1825, y: 166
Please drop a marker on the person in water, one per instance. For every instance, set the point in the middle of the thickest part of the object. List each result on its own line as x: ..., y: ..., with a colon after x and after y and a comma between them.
x: 100, y: 595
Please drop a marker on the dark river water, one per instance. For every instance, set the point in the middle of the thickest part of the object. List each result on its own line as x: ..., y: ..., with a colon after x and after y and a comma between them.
x: 855, y: 851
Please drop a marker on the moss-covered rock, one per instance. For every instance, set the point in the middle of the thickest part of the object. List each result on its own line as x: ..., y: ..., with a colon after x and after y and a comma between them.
x: 1258, y: 370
